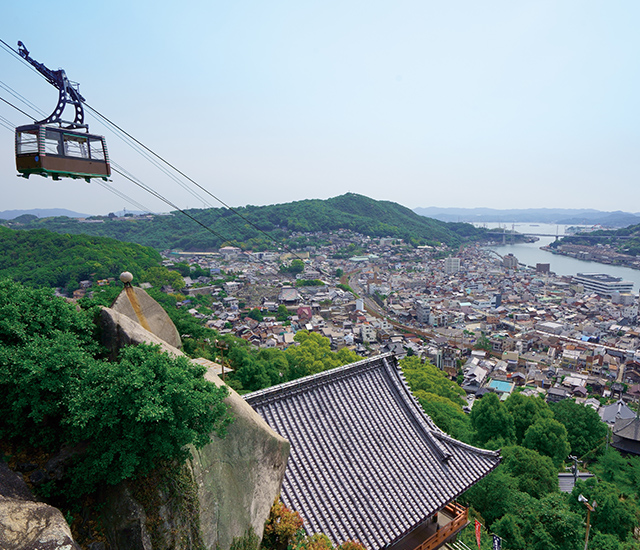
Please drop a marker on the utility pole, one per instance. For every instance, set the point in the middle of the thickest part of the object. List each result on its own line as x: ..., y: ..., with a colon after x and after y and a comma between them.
x: 222, y: 346
x: 590, y: 509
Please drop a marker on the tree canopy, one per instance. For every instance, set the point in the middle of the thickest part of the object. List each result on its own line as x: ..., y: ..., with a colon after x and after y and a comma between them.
x: 525, y: 411
x: 427, y: 378
x: 347, y: 212
x: 47, y: 259
x: 492, y: 422
x: 549, y: 438
x: 585, y: 431
x: 58, y: 390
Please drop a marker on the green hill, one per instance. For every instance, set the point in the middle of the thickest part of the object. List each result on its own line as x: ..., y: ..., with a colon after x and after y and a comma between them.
x: 350, y: 211
x: 626, y: 240
x: 44, y: 258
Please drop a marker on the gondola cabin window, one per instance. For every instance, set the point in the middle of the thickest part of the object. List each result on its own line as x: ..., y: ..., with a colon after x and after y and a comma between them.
x: 27, y: 142
x: 75, y: 146
x: 96, y: 148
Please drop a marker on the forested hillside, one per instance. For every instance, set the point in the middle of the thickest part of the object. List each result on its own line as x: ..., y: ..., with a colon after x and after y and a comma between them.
x: 625, y: 240
x: 44, y: 258
x: 349, y: 211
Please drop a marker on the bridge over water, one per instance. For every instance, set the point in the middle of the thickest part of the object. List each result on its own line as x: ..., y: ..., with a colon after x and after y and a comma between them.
x: 509, y: 233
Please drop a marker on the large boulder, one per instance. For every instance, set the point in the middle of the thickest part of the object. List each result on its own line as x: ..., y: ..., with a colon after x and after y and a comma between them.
x: 141, y: 308
x: 236, y: 478
x: 119, y: 330
x: 26, y: 523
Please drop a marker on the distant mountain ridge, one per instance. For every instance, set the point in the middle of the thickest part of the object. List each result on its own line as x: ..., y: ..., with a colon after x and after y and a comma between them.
x: 346, y: 212
x: 570, y: 216
x: 41, y: 213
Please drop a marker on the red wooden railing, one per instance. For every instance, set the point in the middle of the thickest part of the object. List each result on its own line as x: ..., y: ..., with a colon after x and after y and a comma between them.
x: 460, y: 520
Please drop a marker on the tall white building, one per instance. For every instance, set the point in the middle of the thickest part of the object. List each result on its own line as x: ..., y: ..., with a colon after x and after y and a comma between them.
x: 451, y: 265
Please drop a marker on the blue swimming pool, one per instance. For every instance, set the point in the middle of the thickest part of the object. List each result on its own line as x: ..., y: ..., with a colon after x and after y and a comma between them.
x: 501, y: 386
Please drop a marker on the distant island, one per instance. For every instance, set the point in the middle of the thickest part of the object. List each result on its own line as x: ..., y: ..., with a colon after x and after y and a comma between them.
x: 40, y: 213
x: 563, y: 216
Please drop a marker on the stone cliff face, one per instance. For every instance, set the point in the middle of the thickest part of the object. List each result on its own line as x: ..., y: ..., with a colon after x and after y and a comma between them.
x: 236, y: 479
x: 225, y: 491
x: 27, y: 523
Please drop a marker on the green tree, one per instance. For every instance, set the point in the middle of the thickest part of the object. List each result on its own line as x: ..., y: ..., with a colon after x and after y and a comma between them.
x: 160, y: 276
x: 548, y: 437
x: 296, y: 266
x: 256, y: 315
x: 313, y: 355
x: 493, y: 496
x: 57, y: 390
x: 603, y: 541
x: 535, y: 474
x: 483, y: 343
x: 282, y: 314
x: 427, y: 378
x: 614, y: 514
x: 446, y: 414
x: 492, y: 422
x: 145, y: 396
x: 585, y: 430
x: 525, y: 411
x: 545, y: 524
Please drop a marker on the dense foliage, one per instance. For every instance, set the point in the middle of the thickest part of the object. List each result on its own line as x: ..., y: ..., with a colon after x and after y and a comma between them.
x: 520, y: 501
x: 44, y: 258
x: 120, y: 417
x: 350, y: 211
x: 257, y: 369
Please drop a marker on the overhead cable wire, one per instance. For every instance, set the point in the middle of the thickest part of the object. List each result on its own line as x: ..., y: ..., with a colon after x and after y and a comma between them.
x: 7, y: 121
x: 230, y: 208
x: 137, y: 182
x: 106, y: 119
x: 163, y: 160
x: 122, y: 195
x: 15, y: 107
x: 136, y: 148
x: 133, y: 179
x: 180, y: 172
x: 167, y: 201
x: 20, y: 97
x: 15, y: 54
x: 163, y: 169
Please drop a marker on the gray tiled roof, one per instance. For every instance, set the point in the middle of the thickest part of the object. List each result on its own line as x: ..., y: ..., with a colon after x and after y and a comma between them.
x: 366, y: 463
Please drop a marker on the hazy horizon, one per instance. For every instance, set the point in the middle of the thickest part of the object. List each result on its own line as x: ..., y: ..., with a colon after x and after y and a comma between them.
x: 499, y: 105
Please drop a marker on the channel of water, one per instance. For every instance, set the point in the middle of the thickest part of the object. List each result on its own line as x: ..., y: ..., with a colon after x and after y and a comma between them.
x: 530, y: 254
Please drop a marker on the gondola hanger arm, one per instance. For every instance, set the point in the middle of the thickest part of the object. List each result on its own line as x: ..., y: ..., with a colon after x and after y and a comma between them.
x: 68, y: 92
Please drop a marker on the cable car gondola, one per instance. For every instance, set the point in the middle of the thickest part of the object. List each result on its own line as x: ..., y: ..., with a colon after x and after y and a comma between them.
x: 48, y: 148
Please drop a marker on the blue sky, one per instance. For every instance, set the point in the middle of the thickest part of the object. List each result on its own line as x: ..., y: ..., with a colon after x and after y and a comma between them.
x: 495, y: 104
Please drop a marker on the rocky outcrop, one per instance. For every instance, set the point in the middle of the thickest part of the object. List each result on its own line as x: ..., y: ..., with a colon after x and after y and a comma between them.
x: 238, y: 477
x: 118, y: 330
x: 141, y: 308
x: 157, y: 512
x: 27, y: 524
x: 235, y: 479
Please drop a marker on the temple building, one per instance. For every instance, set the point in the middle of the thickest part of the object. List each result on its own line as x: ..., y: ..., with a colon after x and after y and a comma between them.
x: 366, y: 462
x: 626, y: 435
